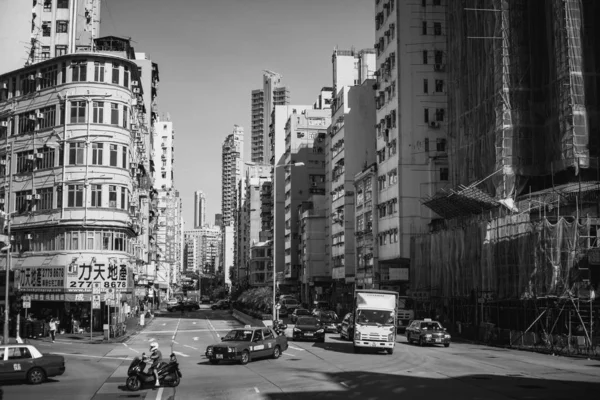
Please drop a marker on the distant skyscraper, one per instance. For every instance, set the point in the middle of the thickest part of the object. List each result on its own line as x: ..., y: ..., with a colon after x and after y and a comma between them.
x: 233, y: 149
x: 199, y: 209
x: 218, y: 219
x: 263, y: 101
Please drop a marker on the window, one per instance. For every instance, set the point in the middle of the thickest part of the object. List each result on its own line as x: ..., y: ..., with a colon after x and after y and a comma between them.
x: 163, y: 175
x: 437, y: 2
x: 423, y: 3
x: 125, y: 116
x: 47, y: 5
x: 26, y: 123
x: 426, y: 115
x: 19, y: 353
x: 439, y: 114
x: 75, y: 196
x: 76, y: 152
x: 425, y: 57
x: 443, y: 174
x: 96, y: 195
x: 62, y: 3
x: 59, y: 196
x: 439, y: 85
x: 78, y: 112
x: 124, y: 157
x: 441, y: 145
x: 113, y: 155
x: 115, y: 73
x: 62, y: 26
x: 114, y: 114
x: 45, y: 52
x: 425, y: 86
x: 46, y: 28
x: 48, y: 119
x: 426, y: 144
x: 49, y: 77
x: 439, y: 57
x: 98, y: 71
x: 24, y: 161
x: 45, y: 201
x: 61, y: 50
x: 437, y: 28
x: 79, y: 71
x: 63, y: 114
x: 98, y: 112
x: 124, y: 198
x: 126, y: 77
x: 28, y: 84
x: 112, y: 196
x: 424, y: 28
x: 97, y: 150
x: 23, y: 201
x: 45, y: 158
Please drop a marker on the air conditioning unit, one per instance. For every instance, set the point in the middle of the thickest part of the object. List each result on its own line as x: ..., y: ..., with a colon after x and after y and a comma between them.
x: 32, y: 77
x: 29, y: 236
x: 3, y: 162
x: 434, y: 124
x: 134, y: 83
x: 4, y: 124
x: 135, y: 90
x: 134, y: 102
x: 37, y: 196
x: 39, y: 75
x: 32, y: 117
x: 30, y: 157
x: 134, y: 127
x: 29, y: 197
x: 4, y: 85
x: 39, y: 155
x: 138, y: 135
x: 39, y: 115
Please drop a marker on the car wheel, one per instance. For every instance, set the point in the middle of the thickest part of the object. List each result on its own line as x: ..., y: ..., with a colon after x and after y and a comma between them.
x: 390, y: 351
x: 446, y: 344
x: 133, y: 383
x: 36, y: 376
x: 214, y: 362
x: 245, y: 357
x: 276, y: 352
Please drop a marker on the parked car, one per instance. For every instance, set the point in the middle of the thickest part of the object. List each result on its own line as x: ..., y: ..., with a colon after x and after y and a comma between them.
x: 347, y: 329
x: 24, y: 361
x: 246, y: 344
x: 186, y: 306
x: 299, y: 312
x: 205, y: 299
x: 172, y: 302
x: 427, y: 331
x: 290, y: 304
x: 220, y: 305
x: 309, y: 328
x: 329, y: 320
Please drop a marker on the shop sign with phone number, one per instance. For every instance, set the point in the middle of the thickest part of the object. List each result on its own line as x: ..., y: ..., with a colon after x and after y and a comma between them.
x: 81, y: 278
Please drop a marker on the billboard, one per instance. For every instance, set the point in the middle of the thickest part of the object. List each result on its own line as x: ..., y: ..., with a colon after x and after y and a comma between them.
x: 40, y: 279
x: 81, y: 277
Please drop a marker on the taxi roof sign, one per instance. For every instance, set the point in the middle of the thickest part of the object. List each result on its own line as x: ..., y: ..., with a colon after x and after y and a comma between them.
x: 247, y: 326
x: 427, y: 319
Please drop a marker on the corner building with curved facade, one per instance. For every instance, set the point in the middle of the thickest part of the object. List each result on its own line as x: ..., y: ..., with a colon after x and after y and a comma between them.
x: 73, y: 162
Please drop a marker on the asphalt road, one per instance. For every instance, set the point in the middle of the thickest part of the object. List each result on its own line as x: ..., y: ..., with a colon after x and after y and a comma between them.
x: 309, y: 370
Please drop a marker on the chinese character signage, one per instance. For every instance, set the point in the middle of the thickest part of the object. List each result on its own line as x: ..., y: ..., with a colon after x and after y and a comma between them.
x: 82, y: 277
x: 40, y: 279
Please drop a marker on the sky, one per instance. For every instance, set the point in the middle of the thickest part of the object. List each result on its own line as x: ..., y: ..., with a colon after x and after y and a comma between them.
x: 211, y: 54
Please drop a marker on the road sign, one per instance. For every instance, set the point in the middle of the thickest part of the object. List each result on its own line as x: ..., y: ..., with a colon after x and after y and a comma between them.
x: 26, y: 301
x: 96, y: 301
x: 277, y: 306
x: 111, y: 303
x: 96, y: 288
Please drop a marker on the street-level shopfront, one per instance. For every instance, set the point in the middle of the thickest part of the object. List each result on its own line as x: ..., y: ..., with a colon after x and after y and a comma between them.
x: 62, y: 286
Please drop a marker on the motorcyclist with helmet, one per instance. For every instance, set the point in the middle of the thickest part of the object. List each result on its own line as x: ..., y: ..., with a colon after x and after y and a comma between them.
x: 156, y: 358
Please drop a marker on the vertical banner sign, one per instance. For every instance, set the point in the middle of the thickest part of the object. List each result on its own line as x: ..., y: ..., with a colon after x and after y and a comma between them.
x: 82, y: 277
x: 96, y: 288
x: 26, y: 301
x: 96, y: 302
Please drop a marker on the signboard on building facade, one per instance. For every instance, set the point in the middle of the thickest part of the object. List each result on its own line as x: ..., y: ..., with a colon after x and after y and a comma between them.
x: 40, y: 279
x: 399, y: 274
x: 82, y: 277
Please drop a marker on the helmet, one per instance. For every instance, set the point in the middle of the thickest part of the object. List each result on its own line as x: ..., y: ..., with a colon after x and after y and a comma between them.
x: 153, y: 346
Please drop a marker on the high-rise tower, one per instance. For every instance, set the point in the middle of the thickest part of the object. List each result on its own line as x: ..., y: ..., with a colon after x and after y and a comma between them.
x: 199, y: 209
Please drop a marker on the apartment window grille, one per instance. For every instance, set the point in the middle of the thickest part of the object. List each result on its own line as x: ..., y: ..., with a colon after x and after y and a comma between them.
x: 62, y: 3
x: 78, y: 112
x: 437, y: 28
x: 425, y: 86
x: 426, y: 115
x: 98, y: 71
x: 112, y: 196
x: 62, y: 26
x: 27, y: 85
x: 48, y: 119
x: 49, y: 77
x: 76, y: 153
x: 97, y: 153
x: 114, y: 150
x: 79, y: 71
x: 45, y: 158
x: 444, y: 174
x: 424, y: 28
x: 425, y: 57
x: 45, y: 52
x: 439, y: 114
x: 96, y: 195
x: 125, y: 116
x: 26, y: 124
x: 47, y: 5
x: 115, y: 73
x: 98, y: 112
x: 61, y: 50
x: 439, y: 85
x: 441, y: 145
x: 22, y: 204
x: 124, y: 157
x: 114, y: 114
x: 124, y: 198
x: 24, y: 162
x: 439, y: 57
x: 46, y: 200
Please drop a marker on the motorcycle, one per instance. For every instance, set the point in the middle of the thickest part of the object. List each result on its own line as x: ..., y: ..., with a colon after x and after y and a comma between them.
x: 168, y: 373
x: 279, y: 327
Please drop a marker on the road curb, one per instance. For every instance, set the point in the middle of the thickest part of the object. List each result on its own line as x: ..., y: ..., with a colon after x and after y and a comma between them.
x: 248, y: 320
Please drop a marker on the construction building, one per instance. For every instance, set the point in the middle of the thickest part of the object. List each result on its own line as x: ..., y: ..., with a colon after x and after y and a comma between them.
x: 514, y: 254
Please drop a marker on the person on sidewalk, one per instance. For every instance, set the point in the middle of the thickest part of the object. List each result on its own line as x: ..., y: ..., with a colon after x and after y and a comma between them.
x: 53, y: 326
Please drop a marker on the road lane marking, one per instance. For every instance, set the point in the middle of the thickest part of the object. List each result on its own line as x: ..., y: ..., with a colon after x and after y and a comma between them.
x: 176, y: 328
x: 256, y: 390
x: 191, y: 347
x: 159, y: 394
x: 126, y: 345
x: 212, y: 327
x: 344, y: 384
x: 180, y: 354
x: 289, y: 354
x: 191, y: 331
x: 295, y: 348
x: 89, y: 356
x: 175, y: 342
x: 196, y: 338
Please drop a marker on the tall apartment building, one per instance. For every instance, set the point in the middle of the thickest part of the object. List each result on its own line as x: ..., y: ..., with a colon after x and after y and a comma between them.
x: 232, y: 153
x: 366, y: 244
x: 351, y: 67
x: 411, y: 126
x: 315, y: 277
x: 305, y: 135
x: 262, y: 103
x: 199, y: 209
x: 202, y: 249
x: 70, y: 179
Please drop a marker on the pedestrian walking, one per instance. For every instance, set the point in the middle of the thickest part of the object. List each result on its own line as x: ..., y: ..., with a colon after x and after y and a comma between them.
x: 53, y: 325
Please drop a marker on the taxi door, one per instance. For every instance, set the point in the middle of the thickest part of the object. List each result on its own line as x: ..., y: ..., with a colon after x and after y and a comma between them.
x: 19, y: 361
x: 269, y: 342
x: 257, y: 347
x: 4, y: 372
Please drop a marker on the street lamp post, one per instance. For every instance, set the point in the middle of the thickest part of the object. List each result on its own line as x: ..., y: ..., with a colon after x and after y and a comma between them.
x: 298, y: 164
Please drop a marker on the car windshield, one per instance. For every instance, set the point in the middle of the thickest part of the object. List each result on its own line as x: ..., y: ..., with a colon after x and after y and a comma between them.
x: 307, y: 321
x: 375, y: 317
x: 329, y: 316
x: 238, y: 335
x: 302, y: 311
x: 431, y: 326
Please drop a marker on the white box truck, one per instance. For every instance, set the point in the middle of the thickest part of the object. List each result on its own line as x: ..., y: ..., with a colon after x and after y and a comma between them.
x: 375, y: 319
